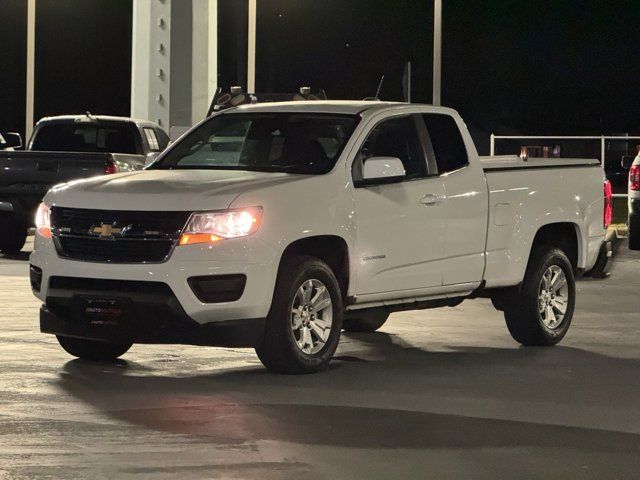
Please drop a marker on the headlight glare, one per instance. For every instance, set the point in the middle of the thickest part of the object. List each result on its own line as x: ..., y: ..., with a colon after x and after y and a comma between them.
x: 211, y: 227
x: 43, y: 221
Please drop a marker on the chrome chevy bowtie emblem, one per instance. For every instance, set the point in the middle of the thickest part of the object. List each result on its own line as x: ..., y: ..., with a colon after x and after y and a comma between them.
x: 106, y: 231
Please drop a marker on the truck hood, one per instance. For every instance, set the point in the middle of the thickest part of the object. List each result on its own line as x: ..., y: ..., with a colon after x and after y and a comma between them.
x: 162, y: 190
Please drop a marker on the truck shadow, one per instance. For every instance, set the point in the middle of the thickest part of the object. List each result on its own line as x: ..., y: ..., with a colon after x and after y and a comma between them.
x: 389, y: 396
x: 20, y: 256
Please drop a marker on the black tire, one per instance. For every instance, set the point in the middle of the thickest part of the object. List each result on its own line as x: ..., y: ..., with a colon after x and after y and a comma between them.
x: 13, y: 234
x: 93, y: 350
x: 369, y: 322
x: 279, y: 350
x: 634, y: 232
x: 522, y: 307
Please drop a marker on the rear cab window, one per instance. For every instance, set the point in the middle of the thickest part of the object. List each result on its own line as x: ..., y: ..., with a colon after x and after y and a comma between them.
x: 152, y: 139
x: 86, y: 137
x: 445, y: 142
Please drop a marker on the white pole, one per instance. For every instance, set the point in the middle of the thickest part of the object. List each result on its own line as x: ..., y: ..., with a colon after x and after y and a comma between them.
x: 31, y: 62
x: 602, y: 151
x: 437, y: 52
x: 140, y: 60
x: 213, y: 48
x: 493, y: 145
x: 251, y: 47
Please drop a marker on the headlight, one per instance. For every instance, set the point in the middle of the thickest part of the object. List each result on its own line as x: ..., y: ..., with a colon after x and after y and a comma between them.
x: 43, y: 221
x: 210, y: 227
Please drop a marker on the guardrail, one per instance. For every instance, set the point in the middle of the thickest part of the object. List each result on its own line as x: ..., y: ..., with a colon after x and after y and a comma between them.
x: 601, y: 138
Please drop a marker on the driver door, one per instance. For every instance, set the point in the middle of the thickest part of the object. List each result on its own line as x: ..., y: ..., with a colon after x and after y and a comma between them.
x: 400, y: 226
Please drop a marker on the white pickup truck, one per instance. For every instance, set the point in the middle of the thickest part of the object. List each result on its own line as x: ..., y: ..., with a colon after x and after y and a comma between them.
x: 277, y: 226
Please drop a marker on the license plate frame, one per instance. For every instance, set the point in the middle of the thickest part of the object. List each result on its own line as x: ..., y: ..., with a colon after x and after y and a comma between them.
x: 104, y: 311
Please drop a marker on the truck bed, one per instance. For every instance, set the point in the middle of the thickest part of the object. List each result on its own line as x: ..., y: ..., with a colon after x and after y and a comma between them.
x: 527, y: 194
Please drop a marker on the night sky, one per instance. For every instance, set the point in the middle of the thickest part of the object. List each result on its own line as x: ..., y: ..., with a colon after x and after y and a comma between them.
x: 83, y: 57
x: 13, y: 31
x: 534, y: 67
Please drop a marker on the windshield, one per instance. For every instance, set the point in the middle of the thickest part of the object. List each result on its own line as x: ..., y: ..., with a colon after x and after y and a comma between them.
x: 78, y: 137
x: 270, y: 142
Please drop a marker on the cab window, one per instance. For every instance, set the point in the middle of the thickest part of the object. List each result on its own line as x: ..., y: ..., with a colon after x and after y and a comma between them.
x: 396, y: 137
x: 445, y: 138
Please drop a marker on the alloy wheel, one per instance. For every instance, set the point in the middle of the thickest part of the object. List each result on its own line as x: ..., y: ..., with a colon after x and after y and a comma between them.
x: 311, y: 316
x: 553, y: 297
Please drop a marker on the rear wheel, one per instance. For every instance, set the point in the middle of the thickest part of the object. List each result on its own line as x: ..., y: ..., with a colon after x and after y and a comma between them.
x: 540, y: 312
x: 367, y: 323
x: 92, y: 349
x: 304, y: 324
x: 13, y: 234
x: 634, y: 232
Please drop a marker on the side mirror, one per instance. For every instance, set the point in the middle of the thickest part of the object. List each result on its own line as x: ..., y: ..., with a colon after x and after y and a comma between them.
x: 627, y: 161
x: 10, y: 140
x: 150, y: 158
x: 381, y: 170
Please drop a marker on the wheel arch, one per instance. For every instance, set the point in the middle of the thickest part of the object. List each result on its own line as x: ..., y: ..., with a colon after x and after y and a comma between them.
x: 331, y: 249
x: 563, y: 235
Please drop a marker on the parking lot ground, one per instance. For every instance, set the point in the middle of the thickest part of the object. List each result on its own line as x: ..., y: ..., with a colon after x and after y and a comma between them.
x: 437, y: 394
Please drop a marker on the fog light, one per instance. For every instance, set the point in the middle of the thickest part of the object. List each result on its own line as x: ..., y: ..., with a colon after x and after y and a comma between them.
x: 218, y: 288
x: 35, y: 276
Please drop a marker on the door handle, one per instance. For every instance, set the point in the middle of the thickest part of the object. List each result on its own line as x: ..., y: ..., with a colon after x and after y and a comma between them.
x: 430, y: 200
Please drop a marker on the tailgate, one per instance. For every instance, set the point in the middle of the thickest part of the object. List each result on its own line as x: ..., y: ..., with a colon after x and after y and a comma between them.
x: 36, y: 172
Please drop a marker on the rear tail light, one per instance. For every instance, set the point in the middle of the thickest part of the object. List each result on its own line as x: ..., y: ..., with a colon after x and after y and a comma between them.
x: 634, y: 178
x: 608, y: 204
x: 110, y: 166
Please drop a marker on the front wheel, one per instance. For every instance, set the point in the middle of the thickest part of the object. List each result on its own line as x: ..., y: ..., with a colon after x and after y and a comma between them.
x: 303, y: 327
x: 540, y: 312
x: 93, y: 350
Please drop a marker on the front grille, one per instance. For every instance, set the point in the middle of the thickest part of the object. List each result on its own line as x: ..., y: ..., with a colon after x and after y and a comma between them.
x: 116, y: 236
x: 116, y: 251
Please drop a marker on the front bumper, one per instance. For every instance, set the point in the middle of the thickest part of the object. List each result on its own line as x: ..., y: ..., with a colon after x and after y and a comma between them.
x: 238, y: 257
x: 170, y: 328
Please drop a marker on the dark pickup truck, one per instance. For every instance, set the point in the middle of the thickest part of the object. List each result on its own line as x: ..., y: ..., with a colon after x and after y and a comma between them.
x: 66, y: 148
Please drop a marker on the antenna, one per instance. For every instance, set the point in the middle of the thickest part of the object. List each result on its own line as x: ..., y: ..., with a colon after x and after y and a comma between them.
x: 377, y: 97
x: 406, y: 82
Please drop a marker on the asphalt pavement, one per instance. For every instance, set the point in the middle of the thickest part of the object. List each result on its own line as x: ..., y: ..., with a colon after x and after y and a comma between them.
x: 442, y: 394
